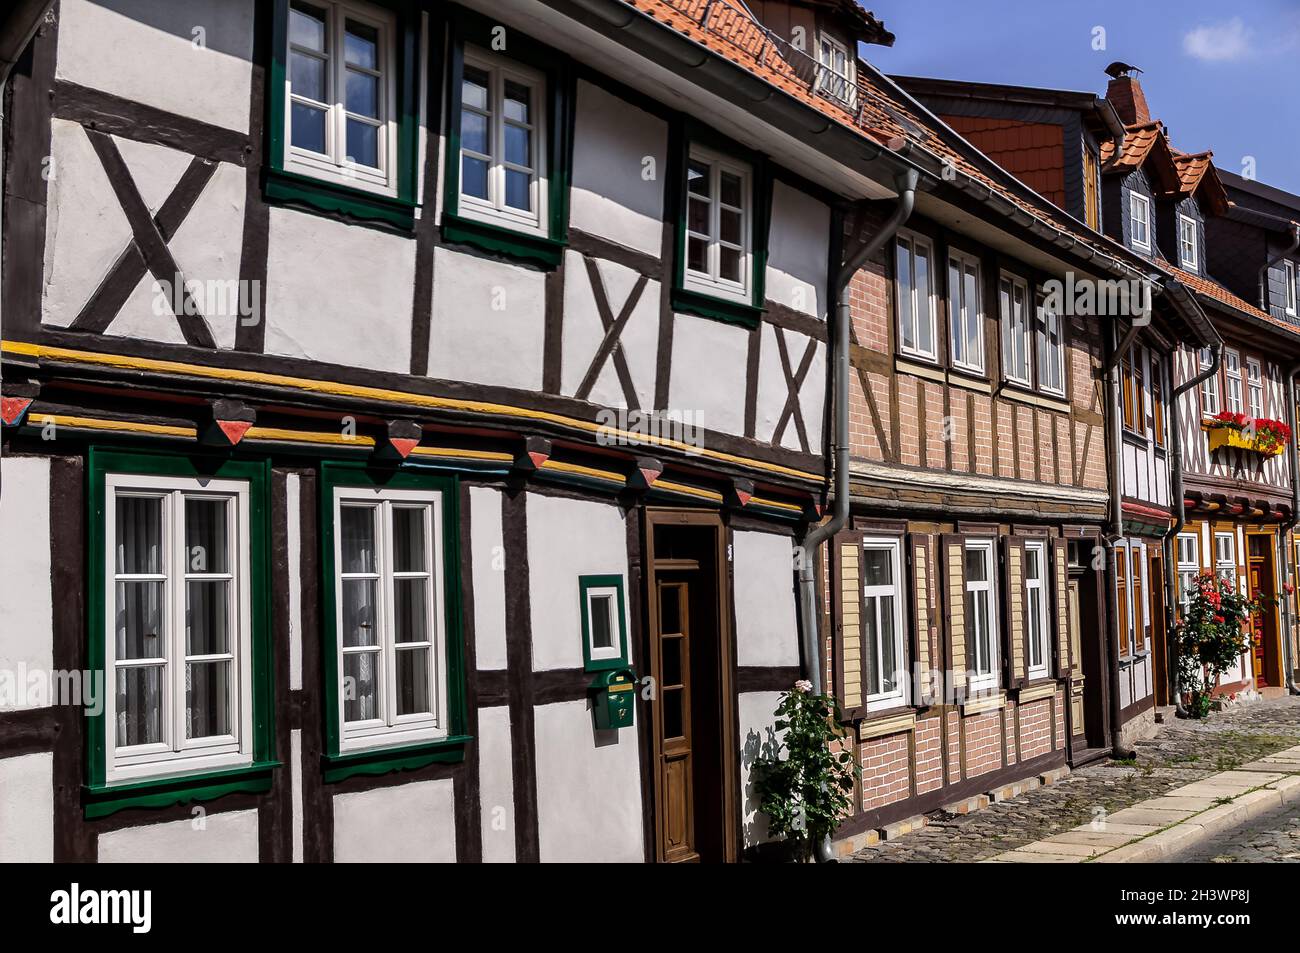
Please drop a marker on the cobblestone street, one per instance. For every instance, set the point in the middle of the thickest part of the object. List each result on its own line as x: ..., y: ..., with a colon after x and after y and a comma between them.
x: 1183, y: 751
x: 1273, y: 838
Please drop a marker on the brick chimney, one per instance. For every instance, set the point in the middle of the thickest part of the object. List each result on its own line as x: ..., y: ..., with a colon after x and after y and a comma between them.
x: 1125, y: 94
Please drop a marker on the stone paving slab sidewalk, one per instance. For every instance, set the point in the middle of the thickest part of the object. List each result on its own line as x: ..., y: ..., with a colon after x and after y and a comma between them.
x: 1247, y: 755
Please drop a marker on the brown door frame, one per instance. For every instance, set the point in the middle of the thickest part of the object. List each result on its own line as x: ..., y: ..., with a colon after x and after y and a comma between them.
x: 1156, y: 570
x: 731, y: 808
x: 1274, y: 675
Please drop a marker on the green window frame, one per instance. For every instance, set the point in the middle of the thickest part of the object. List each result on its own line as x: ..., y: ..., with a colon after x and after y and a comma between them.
x: 687, y: 296
x: 287, y: 186
x: 590, y: 590
x: 545, y: 245
x: 341, y: 763
x: 102, y: 799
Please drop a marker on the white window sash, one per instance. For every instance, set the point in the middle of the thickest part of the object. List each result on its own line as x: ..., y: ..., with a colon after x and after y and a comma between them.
x: 964, y: 315
x: 1051, y: 359
x: 1292, y: 290
x: 917, y: 296
x: 712, y: 282
x: 494, y: 209
x: 1255, y: 388
x: 174, y: 754
x: 1187, y: 243
x: 1141, y: 222
x: 393, y: 729
x: 898, y: 696
x: 1037, y: 551
x: 333, y: 165
x: 984, y: 671
x: 1232, y: 397
x: 1017, y: 333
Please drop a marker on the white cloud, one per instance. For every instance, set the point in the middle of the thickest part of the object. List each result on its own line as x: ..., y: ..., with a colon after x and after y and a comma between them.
x: 1218, y: 42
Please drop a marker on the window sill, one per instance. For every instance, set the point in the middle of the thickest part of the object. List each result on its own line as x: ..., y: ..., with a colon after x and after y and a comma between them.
x: 992, y: 701
x: 970, y: 380
x: 1023, y: 395
x: 889, y: 721
x: 502, y: 240
x: 323, y: 196
x: 719, y: 309
x: 385, y: 760
x: 1038, y: 689
x: 101, y: 801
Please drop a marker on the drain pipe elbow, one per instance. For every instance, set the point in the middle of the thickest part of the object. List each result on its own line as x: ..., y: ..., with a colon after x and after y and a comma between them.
x: 905, y: 182
x: 1290, y: 522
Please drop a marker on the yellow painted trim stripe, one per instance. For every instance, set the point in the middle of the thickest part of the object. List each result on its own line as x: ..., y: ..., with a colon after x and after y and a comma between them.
x: 776, y: 504
x: 579, y: 470
x: 307, y: 436
x: 122, y: 426
x: 682, y: 488
x: 336, y: 389
x: 492, y: 456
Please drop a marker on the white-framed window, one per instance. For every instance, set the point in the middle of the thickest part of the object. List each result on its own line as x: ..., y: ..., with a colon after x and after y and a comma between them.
x: 341, y: 94
x: 981, y: 614
x: 835, y: 78
x: 1232, y: 381
x: 883, y: 621
x: 1140, y: 220
x: 1040, y: 645
x: 719, y: 207
x: 388, y: 584
x: 503, y: 142
x: 1254, y: 388
x: 1051, y: 351
x: 1225, y: 557
x: 1013, y: 305
x: 914, y: 289
x: 1290, y: 279
x: 965, y: 312
x: 1189, y: 567
x: 1187, y: 244
x: 1210, y: 386
x: 178, y: 626
x: 604, y: 641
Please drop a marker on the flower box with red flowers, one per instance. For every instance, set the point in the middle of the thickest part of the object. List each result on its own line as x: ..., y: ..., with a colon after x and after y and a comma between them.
x: 1259, y: 435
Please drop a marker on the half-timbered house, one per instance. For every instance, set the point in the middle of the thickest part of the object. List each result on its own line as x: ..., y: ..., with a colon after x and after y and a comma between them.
x: 410, y: 414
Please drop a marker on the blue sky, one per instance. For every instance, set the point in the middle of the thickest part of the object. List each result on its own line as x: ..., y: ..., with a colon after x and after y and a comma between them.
x: 1222, y: 76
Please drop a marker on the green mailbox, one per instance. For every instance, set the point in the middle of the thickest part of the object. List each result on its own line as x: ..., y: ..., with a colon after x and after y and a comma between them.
x: 613, y: 698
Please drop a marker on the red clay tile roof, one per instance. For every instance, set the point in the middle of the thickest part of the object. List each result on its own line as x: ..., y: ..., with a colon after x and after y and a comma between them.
x: 1138, y: 142
x: 730, y: 32
x: 1031, y: 151
x: 1191, y: 168
x: 1212, y: 289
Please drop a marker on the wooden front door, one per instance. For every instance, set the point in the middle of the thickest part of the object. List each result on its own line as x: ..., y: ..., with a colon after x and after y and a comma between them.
x: 692, y: 723
x: 672, y: 673
x: 1159, y: 647
x: 1259, y: 571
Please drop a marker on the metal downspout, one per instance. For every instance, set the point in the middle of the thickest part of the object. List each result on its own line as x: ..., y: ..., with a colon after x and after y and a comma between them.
x: 905, y: 182
x: 1289, y: 524
x: 1111, y: 369
x: 1180, y: 520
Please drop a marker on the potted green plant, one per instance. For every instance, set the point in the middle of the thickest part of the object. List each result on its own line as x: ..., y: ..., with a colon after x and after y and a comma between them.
x: 804, y: 786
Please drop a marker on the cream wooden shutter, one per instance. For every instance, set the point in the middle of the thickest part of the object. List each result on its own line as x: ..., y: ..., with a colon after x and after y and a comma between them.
x: 1062, y: 617
x: 923, y: 615
x: 849, y: 655
x: 1014, y: 657
x: 952, y: 569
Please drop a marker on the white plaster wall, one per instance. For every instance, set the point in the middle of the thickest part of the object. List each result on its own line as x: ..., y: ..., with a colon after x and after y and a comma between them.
x: 489, y: 321
x: 588, y: 788
x: 583, y: 332
x: 147, y: 50
x: 26, y: 602
x: 85, y: 228
x: 758, y: 737
x: 489, y: 578
x: 338, y: 293
x: 406, y: 823
x: 567, y: 539
x: 295, y: 779
x: 225, y: 838
x: 766, y: 626
x: 773, y: 390
x: 798, y: 252
x: 708, y: 372
x: 27, y: 809
x: 496, y: 785
x: 612, y: 195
